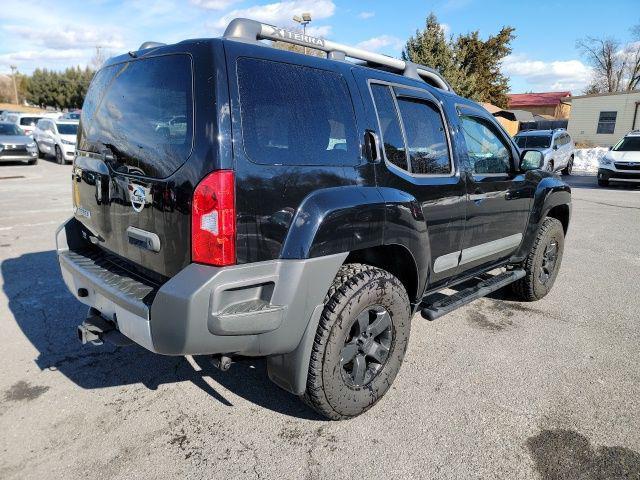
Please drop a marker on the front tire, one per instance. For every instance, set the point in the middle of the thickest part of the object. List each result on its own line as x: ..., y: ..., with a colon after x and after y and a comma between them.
x: 360, y: 342
x: 59, y: 156
x: 40, y: 154
x: 603, y: 182
x: 569, y: 168
x: 543, y: 262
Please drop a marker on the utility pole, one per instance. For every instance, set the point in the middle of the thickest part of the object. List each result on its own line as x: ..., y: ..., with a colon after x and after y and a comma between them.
x: 304, y: 21
x: 15, y: 88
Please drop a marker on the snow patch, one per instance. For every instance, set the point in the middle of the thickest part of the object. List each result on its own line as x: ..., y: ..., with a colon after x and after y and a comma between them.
x: 588, y: 159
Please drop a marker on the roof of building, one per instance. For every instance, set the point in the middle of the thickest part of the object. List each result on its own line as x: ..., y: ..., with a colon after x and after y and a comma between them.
x: 537, y: 99
x: 605, y: 94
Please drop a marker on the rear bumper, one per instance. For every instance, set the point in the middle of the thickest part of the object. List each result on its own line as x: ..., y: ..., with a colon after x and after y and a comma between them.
x: 255, y: 309
x: 618, y: 176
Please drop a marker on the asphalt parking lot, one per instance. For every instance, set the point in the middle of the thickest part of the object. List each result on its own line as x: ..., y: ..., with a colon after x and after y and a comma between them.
x: 495, y: 390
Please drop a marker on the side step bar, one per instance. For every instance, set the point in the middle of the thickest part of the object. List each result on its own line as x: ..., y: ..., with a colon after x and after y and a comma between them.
x: 468, y: 295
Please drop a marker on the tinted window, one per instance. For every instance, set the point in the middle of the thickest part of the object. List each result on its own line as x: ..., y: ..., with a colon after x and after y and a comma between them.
x: 131, y: 109
x: 67, y: 128
x: 628, y: 144
x: 294, y: 115
x: 390, y: 129
x: 607, y: 122
x: 533, y: 141
x: 9, y: 129
x: 29, y: 121
x: 488, y: 153
x: 426, y: 138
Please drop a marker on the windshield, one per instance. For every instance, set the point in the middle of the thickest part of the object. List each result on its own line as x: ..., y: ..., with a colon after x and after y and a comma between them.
x: 142, y: 111
x: 9, y: 129
x: 628, y: 144
x: 67, y: 128
x: 533, y: 141
x: 29, y: 120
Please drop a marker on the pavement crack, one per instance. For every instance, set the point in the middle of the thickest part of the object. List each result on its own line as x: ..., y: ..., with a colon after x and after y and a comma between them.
x: 607, y: 204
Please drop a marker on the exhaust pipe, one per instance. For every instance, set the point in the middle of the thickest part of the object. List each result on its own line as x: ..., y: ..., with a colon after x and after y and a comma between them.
x: 96, y: 330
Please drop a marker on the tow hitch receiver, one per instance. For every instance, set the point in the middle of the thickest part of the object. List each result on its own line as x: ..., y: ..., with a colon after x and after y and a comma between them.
x: 96, y: 330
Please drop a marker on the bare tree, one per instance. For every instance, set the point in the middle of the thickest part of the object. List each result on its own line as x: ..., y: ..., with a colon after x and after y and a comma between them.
x: 616, y: 67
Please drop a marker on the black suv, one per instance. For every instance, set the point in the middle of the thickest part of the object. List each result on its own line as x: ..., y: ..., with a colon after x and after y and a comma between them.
x: 233, y: 199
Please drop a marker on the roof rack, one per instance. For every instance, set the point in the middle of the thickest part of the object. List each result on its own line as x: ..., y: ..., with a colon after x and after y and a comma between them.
x: 247, y: 30
x: 146, y: 45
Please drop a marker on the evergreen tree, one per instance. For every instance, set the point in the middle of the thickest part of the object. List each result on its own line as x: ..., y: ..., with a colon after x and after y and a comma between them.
x: 471, y: 65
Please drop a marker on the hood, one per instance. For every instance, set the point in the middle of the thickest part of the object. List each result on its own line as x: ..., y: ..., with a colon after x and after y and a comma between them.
x: 633, y: 156
x: 15, y: 139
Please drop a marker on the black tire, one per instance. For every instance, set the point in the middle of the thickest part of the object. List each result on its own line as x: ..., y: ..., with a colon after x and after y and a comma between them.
x: 550, y: 166
x: 569, y: 168
x: 602, y: 182
x: 40, y: 154
x: 59, y: 156
x: 33, y: 161
x: 543, y: 262
x: 360, y: 295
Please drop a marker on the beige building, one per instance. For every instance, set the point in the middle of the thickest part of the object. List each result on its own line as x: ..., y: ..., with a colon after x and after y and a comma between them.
x: 602, y: 119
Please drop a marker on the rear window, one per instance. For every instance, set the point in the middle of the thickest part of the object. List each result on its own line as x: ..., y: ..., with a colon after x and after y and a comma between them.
x: 142, y: 111
x: 295, y: 115
x: 533, y: 141
x: 29, y: 121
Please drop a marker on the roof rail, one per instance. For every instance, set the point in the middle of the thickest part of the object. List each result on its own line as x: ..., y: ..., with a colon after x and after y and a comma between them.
x: 247, y: 30
x: 146, y: 45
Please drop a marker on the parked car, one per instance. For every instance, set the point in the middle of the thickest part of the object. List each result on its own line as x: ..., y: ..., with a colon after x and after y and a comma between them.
x: 25, y: 121
x: 379, y: 189
x: 622, y: 162
x: 75, y: 115
x: 15, y: 146
x: 556, y: 145
x: 56, y: 138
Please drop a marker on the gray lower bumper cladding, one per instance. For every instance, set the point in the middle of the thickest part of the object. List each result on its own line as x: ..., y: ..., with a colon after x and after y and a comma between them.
x: 257, y: 309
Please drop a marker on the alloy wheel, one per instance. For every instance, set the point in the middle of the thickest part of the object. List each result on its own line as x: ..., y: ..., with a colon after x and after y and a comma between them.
x: 549, y: 259
x: 366, y: 347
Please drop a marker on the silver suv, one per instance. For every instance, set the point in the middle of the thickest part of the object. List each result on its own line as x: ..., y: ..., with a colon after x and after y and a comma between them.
x: 556, y: 145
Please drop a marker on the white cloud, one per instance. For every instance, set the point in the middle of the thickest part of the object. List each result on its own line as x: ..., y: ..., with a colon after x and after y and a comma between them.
x: 214, y: 4
x: 546, y: 76
x: 67, y: 37
x: 366, y: 15
x: 67, y: 56
x: 321, y: 31
x: 279, y: 13
x: 446, y: 29
x: 381, y: 42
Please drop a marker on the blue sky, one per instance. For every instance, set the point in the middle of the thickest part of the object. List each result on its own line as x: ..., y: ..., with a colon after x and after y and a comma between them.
x: 57, y: 34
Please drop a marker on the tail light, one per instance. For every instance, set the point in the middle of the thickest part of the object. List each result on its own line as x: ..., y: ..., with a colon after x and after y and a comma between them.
x: 213, y: 220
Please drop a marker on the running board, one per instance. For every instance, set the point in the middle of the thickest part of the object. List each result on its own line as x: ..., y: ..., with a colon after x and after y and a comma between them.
x: 468, y: 295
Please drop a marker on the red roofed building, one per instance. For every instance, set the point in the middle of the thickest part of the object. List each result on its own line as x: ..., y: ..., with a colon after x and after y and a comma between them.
x: 550, y: 104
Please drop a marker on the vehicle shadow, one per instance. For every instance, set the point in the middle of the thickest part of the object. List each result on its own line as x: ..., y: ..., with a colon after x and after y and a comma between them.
x: 48, y: 316
x: 589, y: 180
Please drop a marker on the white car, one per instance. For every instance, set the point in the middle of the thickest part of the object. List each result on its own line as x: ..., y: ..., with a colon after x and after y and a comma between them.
x: 56, y: 137
x: 622, y: 162
x: 556, y: 146
x: 25, y: 121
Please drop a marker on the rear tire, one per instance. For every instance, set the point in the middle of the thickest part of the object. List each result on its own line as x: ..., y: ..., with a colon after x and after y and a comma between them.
x: 569, y: 168
x: 360, y: 342
x: 603, y: 182
x: 542, y: 263
x: 59, y: 156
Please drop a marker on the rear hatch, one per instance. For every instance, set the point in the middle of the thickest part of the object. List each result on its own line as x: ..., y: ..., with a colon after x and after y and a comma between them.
x: 130, y: 188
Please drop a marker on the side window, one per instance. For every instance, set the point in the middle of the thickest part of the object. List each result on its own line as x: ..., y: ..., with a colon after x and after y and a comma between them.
x: 607, y: 122
x: 488, y: 152
x: 426, y: 138
x: 295, y: 115
x: 390, y: 129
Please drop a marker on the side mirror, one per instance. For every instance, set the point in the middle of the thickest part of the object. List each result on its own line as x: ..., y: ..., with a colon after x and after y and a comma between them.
x: 531, y: 160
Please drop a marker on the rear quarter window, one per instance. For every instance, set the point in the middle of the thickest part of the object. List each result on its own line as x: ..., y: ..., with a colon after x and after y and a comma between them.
x: 295, y: 115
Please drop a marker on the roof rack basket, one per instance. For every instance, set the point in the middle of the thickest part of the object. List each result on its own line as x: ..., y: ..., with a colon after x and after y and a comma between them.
x: 247, y: 30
